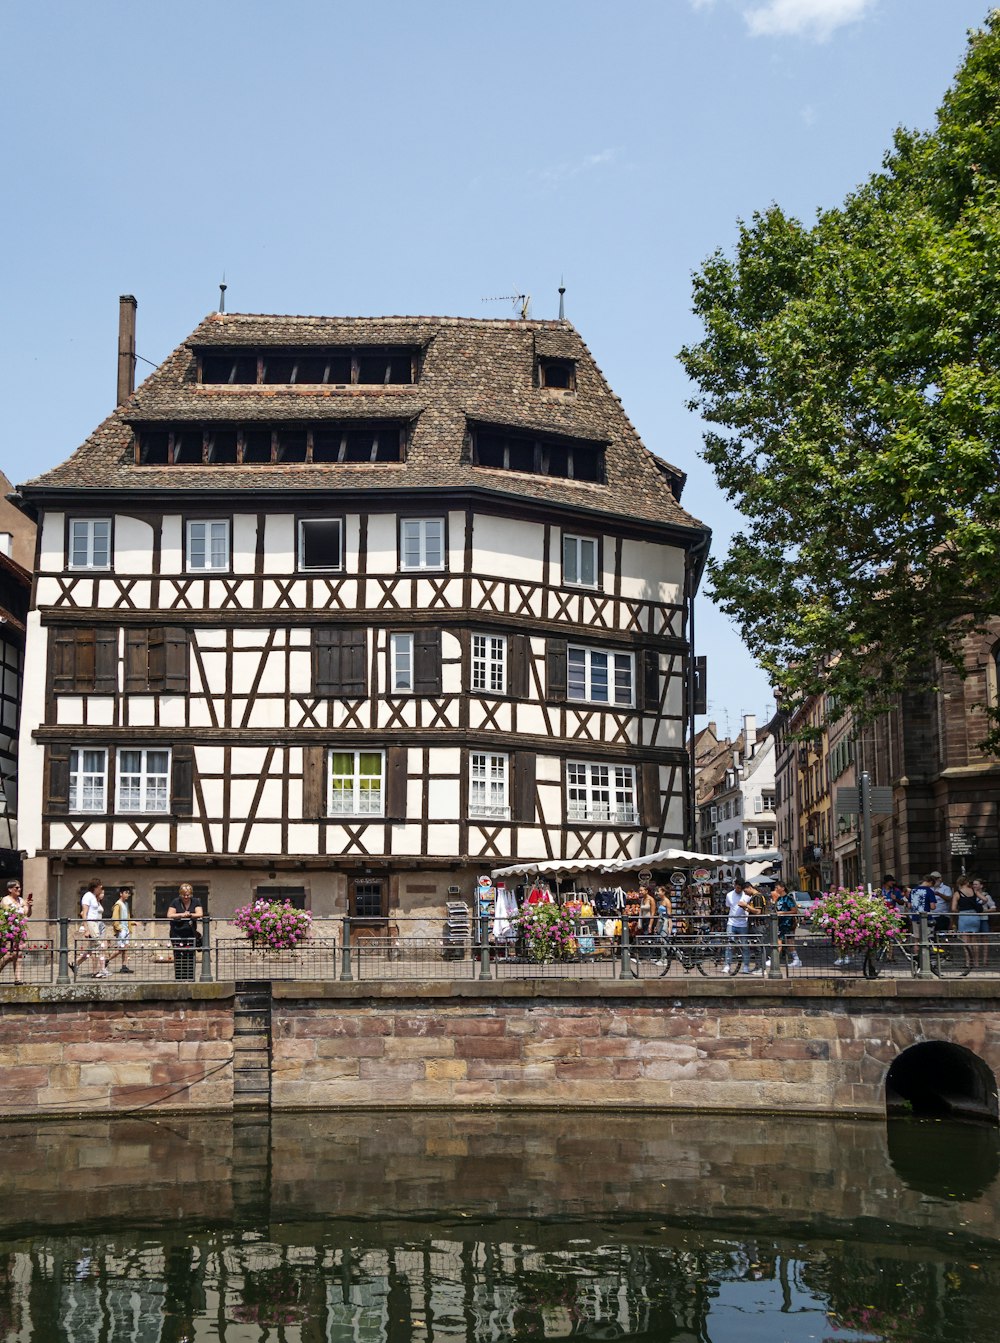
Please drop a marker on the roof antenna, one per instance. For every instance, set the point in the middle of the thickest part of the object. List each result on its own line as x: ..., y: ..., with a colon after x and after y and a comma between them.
x: 222, y: 293
x: 523, y: 299
x: 562, y: 306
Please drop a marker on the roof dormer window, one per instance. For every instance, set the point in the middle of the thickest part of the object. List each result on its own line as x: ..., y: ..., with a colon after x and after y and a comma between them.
x: 559, y: 374
x: 321, y: 366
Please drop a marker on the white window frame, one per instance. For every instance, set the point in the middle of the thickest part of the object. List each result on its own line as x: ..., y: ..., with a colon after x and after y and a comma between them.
x: 768, y: 800
x: 714, y: 814
x: 208, y: 567
x: 573, y: 544
x: 88, y: 785
x: 367, y: 802
x: 489, y: 785
x: 607, y: 793
x: 153, y: 785
x: 758, y: 804
x: 401, y: 664
x: 87, y: 528
x: 489, y: 664
x: 421, y: 527
x: 612, y: 668
x: 715, y: 845
x: 321, y: 568
x: 762, y: 834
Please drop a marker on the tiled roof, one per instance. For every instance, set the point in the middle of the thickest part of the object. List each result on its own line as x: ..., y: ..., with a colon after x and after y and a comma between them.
x: 473, y: 370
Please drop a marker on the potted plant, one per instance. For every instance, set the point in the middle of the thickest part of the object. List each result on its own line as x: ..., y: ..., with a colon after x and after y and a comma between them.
x: 857, y: 924
x: 546, y: 933
x: 273, y: 925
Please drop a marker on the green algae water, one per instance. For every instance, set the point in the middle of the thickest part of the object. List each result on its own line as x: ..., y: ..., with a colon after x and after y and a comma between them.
x: 322, y: 1228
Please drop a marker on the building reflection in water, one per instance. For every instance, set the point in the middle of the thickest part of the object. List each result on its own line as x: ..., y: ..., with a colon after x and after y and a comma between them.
x: 289, y: 1232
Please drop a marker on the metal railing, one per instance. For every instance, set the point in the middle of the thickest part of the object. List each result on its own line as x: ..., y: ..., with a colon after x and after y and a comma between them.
x: 401, y: 948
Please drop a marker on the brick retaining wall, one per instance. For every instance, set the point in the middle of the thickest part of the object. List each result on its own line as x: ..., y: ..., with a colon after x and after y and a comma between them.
x: 825, y: 1048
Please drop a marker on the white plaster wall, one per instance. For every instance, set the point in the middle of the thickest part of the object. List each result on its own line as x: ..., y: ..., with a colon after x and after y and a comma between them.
x: 352, y: 543
x: 244, y: 542
x: 279, y: 544
x: 650, y: 572
x: 52, y: 555
x: 382, y: 543
x: 31, y: 756
x: 508, y: 548
x: 172, y: 544
x: 456, y: 541
x: 133, y: 546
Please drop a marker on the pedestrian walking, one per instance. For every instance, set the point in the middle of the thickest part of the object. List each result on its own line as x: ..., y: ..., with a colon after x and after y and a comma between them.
x: 787, y: 911
x: 737, y: 926
x: 92, y: 925
x: 121, y: 926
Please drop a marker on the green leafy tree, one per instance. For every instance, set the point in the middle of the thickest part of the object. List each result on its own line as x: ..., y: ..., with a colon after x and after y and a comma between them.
x: 849, y: 378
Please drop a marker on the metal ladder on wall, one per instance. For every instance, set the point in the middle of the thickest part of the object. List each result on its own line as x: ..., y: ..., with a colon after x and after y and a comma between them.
x: 252, y: 1045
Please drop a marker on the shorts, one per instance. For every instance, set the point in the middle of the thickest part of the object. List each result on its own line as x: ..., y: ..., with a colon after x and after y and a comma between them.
x: 94, y: 928
x: 969, y: 923
x: 122, y: 938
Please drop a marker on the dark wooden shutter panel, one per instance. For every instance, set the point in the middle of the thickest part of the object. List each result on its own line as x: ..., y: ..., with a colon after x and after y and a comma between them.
x: 395, y: 784
x: 651, y: 796
x: 354, y: 664
x: 517, y: 666
x: 136, y: 662
x: 86, y: 645
x: 313, y: 780
x: 524, y: 786
x: 182, y: 783
x: 556, y: 653
x: 175, y: 660
x: 106, y: 661
x: 156, y: 659
x: 649, y: 670
x: 427, y: 662
x: 57, y: 786
x: 63, y: 660
x: 323, y: 650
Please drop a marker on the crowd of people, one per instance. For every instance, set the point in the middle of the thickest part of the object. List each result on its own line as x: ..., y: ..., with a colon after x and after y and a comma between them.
x: 965, y: 908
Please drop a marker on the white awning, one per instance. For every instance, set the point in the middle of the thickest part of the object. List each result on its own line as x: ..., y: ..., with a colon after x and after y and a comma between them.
x: 568, y: 867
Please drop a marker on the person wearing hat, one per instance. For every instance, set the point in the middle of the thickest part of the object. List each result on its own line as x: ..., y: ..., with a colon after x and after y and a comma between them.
x: 737, y: 925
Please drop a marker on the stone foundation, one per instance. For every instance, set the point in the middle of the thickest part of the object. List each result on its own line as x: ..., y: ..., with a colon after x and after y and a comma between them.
x: 817, y: 1047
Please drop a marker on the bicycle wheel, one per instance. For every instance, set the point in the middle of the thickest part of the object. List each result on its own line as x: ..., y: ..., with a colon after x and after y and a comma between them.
x: 950, y: 959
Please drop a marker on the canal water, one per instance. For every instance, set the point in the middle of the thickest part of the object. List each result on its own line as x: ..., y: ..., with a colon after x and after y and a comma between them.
x: 420, y: 1228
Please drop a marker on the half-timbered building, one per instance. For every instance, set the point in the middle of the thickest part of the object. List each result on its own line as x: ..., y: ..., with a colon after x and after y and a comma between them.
x: 355, y: 609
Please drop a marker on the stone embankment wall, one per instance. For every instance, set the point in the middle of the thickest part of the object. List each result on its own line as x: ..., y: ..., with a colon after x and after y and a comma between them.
x: 814, y: 1047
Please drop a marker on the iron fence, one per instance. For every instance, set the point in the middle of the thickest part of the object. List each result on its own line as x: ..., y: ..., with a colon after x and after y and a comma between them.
x: 372, y: 950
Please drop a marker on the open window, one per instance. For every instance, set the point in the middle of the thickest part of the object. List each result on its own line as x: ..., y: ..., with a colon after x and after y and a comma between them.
x: 559, y: 374
x: 321, y: 544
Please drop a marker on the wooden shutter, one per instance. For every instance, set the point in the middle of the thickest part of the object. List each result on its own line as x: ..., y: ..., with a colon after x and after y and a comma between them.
x: 523, y: 765
x: 395, y: 783
x: 651, y: 796
x: 182, y: 783
x: 57, y: 782
x: 427, y: 662
x: 517, y: 666
x: 86, y: 658
x: 556, y: 655
x: 175, y: 669
x: 340, y: 659
x: 136, y: 661
x: 649, y: 670
x: 313, y: 783
x: 63, y: 660
x: 323, y: 647
x: 106, y: 661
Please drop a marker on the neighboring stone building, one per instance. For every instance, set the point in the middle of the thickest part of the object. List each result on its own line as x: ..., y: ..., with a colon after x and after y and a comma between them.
x: 736, y: 813
x: 946, y: 789
x: 353, y: 610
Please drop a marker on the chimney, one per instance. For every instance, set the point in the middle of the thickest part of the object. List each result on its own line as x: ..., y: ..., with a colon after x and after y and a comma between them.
x: 126, y: 347
x: 749, y: 733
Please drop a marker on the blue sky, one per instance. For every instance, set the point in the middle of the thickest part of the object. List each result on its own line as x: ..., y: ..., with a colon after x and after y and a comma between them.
x: 403, y: 158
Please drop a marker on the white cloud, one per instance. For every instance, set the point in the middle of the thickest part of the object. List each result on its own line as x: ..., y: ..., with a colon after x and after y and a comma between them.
x: 804, y: 18
x: 561, y: 172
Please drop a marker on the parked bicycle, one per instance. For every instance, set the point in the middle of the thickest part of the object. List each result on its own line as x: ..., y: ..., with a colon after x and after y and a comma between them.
x: 948, y: 956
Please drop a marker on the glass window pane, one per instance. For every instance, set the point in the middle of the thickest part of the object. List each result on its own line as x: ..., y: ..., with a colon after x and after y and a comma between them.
x: 434, y: 544
x: 588, y: 562
x: 571, y: 573
x: 599, y: 677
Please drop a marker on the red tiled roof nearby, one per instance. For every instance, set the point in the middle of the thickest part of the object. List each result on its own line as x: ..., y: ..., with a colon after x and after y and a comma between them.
x: 472, y: 371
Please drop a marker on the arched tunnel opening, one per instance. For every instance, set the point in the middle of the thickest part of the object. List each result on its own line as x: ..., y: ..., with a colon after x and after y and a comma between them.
x: 937, y: 1079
